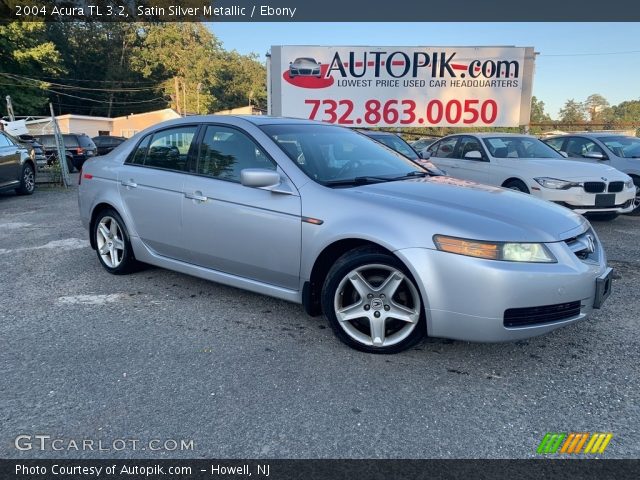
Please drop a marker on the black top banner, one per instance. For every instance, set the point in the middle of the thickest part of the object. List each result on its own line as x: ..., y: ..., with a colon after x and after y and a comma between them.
x: 320, y: 11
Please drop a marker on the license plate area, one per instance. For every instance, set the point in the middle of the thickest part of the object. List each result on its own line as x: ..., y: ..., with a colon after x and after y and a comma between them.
x: 603, y: 287
x: 605, y: 200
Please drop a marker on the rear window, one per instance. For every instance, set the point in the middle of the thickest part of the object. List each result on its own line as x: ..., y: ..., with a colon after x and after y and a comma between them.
x: 84, y: 141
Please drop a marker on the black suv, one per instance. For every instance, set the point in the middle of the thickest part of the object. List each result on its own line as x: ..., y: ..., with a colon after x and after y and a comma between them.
x: 78, y: 147
x: 17, y: 169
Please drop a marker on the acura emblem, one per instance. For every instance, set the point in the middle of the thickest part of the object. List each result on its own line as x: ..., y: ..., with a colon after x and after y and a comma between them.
x: 591, y: 244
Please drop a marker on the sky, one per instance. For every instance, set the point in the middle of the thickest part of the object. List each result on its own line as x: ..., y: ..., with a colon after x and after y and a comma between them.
x: 575, y: 61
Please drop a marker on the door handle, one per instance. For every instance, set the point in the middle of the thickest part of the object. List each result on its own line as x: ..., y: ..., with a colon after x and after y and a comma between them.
x: 129, y: 184
x: 196, y: 196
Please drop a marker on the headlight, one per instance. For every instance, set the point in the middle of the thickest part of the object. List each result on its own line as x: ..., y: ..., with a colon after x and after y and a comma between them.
x: 505, y: 251
x: 555, y: 183
x: 32, y: 154
x: 628, y: 183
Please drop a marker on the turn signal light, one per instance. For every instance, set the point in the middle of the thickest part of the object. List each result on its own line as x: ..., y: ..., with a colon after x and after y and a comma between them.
x: 469, y: 248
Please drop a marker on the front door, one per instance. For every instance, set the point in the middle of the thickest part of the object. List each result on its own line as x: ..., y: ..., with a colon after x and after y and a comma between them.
x: 244, y: 231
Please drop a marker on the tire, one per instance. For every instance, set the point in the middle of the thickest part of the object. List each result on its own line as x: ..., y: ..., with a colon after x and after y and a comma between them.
x: 388, y: 301
x: 112, y: 243
x: 636, y: 211
x: 70, y: 166
x: 517, y: 185
x: 27, y: 180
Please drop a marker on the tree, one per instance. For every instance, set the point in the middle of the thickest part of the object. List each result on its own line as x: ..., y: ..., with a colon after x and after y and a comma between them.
x: 538, y: 114
x: 598, y: 108
x: 573, y: 112
x: 25, y: 52
x: 181, y: 56
x: 241, y: 81
x: 103, y: 83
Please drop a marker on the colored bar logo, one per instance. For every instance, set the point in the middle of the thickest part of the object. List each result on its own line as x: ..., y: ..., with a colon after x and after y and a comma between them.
x: 574, y: 443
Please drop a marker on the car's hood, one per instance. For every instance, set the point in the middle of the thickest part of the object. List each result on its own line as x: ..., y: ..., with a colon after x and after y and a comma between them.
x: 565, y: 169
x: 476, y: 211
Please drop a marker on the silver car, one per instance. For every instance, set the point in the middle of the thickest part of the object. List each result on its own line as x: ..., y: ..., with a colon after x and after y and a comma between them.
x: 305, y: 67
x: 618, y: 151
x: 323, y: 216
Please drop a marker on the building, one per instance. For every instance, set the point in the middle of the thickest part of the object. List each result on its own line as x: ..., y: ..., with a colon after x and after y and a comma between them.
x: 125, y: 126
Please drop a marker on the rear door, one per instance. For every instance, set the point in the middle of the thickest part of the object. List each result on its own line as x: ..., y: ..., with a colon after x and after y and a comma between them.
x: 151, y: 186
x: 9, y: 161
x: 244, y: 231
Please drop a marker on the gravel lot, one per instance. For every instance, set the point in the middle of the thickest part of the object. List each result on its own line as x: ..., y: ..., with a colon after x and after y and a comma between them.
x: 160, y: 355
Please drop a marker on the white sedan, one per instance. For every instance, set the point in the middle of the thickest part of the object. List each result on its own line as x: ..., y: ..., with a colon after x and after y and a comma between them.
x: 524, y: 163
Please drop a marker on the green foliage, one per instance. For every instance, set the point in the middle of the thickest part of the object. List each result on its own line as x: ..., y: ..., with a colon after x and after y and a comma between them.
x: 25, y: 51
x: 572, y: 112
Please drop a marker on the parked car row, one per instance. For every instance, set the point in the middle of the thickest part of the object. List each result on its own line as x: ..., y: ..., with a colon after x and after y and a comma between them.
x: 605, y: 184
x: 320, y: 215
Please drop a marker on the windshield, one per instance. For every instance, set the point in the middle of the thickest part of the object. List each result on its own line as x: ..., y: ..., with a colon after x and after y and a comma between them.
x: 330, y: 154
x: 625, y: 147
x: 397, y: 144
x: 519, y: 147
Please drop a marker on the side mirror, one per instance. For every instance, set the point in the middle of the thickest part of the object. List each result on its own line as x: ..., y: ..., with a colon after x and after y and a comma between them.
x: 265, y: 179
x: 473, y: 155
x: 259, y: 177
x: 424, y: 154
x: 594, y: 155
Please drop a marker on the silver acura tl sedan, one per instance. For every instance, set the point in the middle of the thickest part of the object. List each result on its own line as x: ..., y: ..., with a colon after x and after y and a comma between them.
x: 324, y: 216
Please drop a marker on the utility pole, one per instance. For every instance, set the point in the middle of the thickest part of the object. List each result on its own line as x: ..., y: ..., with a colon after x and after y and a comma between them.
x: 12, y: 117
x: 176, y: 87
x: 184, y: 98
x: 198, y: 88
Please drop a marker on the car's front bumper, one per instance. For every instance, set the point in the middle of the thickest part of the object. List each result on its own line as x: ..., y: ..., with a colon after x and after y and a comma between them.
x: 466, y: 298
x: 584, y: 202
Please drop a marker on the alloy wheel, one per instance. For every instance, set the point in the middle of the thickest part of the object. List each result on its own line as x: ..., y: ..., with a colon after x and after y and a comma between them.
x: 377, y: 305
x: 110, y: 242
x: 29, y: 179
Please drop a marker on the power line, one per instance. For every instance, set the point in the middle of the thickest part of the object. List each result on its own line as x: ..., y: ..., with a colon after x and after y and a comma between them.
x: 587, y: 54
x: 76, y: 87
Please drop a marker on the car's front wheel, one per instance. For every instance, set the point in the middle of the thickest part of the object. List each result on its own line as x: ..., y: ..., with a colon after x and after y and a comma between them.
x: 373, y: 303
x: 112, y: 243
x: 516, y: 185
x: 27, y: 180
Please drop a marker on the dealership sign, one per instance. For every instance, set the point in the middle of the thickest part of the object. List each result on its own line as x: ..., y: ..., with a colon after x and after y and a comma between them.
x: 402, y: 86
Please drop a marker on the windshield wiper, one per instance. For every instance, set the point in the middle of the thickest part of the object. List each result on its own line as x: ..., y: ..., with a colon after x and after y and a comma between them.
x: 365, y: 180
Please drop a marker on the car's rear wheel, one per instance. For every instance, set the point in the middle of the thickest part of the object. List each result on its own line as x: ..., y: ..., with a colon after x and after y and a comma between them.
x: 372, y: 302
x: 636, y: 210
x: 517, y: 185
x: 112, y: 243
x: 27, y: 180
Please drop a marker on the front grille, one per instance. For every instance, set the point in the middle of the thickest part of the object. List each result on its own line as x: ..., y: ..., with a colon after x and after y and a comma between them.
x: 594, y: 187
x: 520, y: 317
x: 615, y: 187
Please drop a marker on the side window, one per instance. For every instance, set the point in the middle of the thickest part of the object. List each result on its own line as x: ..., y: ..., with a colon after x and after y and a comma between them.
x: 169, y: 148
x: 555, y: 143
x: 577, y: 147
x: 469, y: 144
x: 224, y: 152
x: 138, y: 155
x: 446, y: 148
